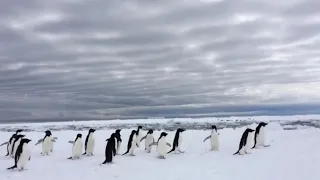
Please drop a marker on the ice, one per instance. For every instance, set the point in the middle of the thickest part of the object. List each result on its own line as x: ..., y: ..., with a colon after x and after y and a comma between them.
x: 293, y: 155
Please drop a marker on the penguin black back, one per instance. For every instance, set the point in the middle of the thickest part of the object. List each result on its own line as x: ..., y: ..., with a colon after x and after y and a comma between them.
x: 176, y: 139
x: 110, y: 149
x: 133, y: 132
x: 243, y: 140
x: 256, y: 133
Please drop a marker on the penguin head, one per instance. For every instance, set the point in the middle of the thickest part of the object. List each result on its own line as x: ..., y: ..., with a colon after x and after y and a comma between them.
x: 20, y: 136
x: 133, y: 132
x: 92, y: 130
x: 48, y: 132
x: 180, y: 130
x: 19, y: 131
x: 139, y: 127
x: 113, y: 135
x: 263, y: 124
x: 150, y: 131
x: 118, y: 131
x: 79, y: 135
x: 249, y: 130
x: 214, y: 127
x: 163, y: 134
x: 25, y: 140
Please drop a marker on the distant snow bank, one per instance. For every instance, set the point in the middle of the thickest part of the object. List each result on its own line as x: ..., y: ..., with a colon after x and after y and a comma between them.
x: 286, y: 122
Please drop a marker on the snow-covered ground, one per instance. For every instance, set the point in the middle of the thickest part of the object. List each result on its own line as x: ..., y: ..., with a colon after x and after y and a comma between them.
x: 293, y: 155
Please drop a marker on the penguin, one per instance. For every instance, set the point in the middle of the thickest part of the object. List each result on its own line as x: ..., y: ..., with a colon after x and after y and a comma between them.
x: 177, y: 141
x: 77, y: 147
x: 89, y: 143
x: 10, y: 142
x: 46, y: 143
x: 110, y: 149
x: 139, y: 135
x: 118, y: 140
x: 15, y: 144
x: 259, y: 136
x: 132, y: 143
x: 149, y: 139
x: 162, y: 145
x: 214, y: 139
x: 244, y: 142
x: 22, y: 156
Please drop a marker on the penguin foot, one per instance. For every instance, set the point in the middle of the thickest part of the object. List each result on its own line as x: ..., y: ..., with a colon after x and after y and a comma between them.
x: 181, y: 151
x: 132, y: 155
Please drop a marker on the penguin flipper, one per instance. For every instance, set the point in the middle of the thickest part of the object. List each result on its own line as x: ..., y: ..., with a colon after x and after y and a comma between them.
x: 69, y: 157
x: 39, y: 141
x: 207, y: 138
x: 71, y: 142
x: 143, y: 138
x: 168, y: 144
x: 4, y: 143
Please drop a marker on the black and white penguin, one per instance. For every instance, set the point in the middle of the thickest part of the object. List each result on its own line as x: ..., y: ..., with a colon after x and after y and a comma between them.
x: 77, y: 147
x: 259, y: 136
x: 177, y: 141
x: 110, y: 149
x: 149, y: 139
x: 10, y: 142
x: 118, y: 140
x: 15, y: 144
x: 22, y: 156
x: 162, y: 145
x: 245, y: 142
x: 214, y: 139
x: 89, y: 143
x: 139, y: 135
x: 132, y: 143
x: 47, y: 143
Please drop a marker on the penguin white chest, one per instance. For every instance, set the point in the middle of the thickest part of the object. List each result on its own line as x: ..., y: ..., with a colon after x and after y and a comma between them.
x: 261, y: 137
x: 46, y: 144
x: 249, y: 140
x: 162, y: 146
x: 214, y: 140
x: 24, y: 157
x: 77, y: 148
x: 149, y: 140
x: 90, y: 144
x: 180, y: 141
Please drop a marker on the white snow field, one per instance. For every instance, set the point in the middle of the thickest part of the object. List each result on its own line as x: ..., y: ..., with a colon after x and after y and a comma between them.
x: 293, y: 155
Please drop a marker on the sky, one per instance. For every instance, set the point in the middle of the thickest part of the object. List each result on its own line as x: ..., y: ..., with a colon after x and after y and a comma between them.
x: 98, y: 59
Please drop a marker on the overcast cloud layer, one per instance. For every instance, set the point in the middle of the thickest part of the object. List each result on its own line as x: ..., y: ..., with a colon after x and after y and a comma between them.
x: 141, y: 58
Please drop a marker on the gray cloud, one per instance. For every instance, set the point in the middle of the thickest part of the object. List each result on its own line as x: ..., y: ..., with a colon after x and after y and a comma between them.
x: 101, y: 59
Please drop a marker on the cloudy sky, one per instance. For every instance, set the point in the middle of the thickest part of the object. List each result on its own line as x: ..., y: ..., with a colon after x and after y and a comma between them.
x: 139, y: 58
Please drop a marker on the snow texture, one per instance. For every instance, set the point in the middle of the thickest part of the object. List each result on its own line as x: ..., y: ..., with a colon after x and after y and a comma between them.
x: 292, y: 155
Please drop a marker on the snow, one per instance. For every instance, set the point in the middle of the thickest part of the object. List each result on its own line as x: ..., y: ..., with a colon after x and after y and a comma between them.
x: 168, y: 120
x: 292, y: 155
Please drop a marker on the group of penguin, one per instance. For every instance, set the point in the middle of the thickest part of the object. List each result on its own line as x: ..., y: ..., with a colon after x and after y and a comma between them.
x: 17, y: 146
